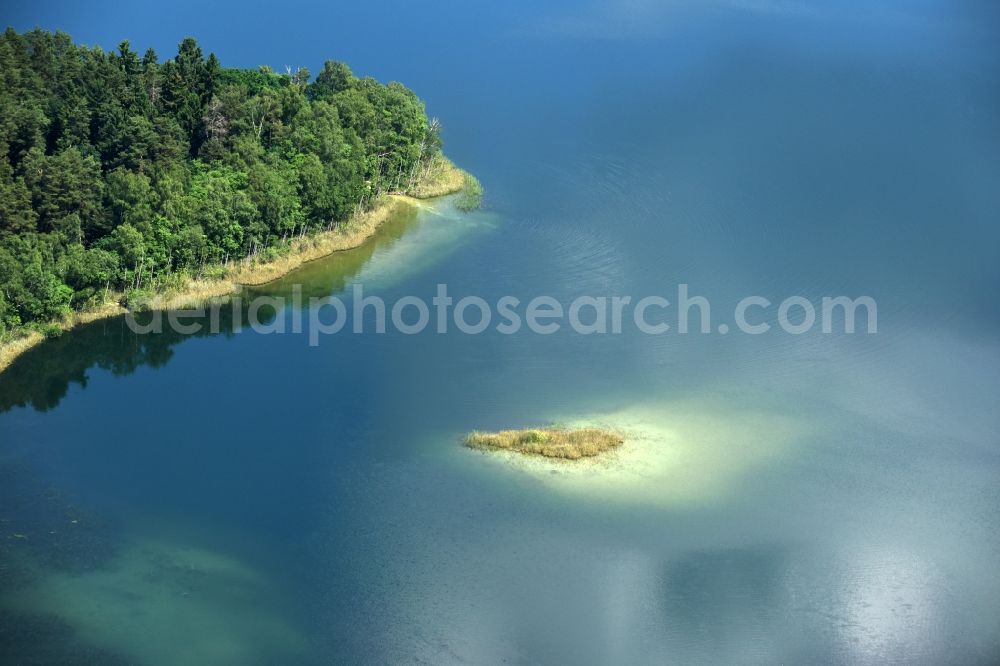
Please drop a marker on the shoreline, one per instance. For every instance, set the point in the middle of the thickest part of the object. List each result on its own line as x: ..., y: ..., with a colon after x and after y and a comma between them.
x: 448, y: 179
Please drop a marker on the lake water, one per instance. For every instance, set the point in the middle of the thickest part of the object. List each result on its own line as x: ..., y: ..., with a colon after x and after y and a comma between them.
x: 243, y: 498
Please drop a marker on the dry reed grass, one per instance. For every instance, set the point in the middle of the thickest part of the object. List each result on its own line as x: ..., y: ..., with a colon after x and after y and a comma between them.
x: 197, y: 291
x: 440, y: 177
x: 24, y: 340
x: 13, y: 348
x: 548, y: 442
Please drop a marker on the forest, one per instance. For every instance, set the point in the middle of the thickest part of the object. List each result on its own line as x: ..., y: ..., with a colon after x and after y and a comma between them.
x: 121, y: 171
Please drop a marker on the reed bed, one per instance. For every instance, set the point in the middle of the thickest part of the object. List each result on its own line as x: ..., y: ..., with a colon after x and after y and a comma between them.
x: 548, y: 442
x: 438, y: 178
x: 193, y: 292
x: 13, y: 348
x: 23, y: 340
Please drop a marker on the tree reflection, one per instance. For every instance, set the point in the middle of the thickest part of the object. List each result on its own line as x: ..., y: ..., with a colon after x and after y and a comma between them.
x: 41, y: 377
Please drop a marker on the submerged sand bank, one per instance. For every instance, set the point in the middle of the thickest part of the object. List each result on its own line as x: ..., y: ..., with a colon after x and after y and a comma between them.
x: 672, y: 453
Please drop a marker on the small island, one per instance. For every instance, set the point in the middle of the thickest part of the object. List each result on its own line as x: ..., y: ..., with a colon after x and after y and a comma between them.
x: 548, y: 442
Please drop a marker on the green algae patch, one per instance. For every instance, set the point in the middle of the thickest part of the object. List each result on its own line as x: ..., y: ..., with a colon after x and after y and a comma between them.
x: 164, y: 603
x: 548, y: 442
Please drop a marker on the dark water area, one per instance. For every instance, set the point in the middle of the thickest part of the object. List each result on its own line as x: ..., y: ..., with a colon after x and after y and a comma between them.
x: 240, y: 498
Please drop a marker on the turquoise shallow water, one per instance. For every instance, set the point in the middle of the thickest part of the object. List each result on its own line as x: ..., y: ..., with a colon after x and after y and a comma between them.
x: 245, y: 498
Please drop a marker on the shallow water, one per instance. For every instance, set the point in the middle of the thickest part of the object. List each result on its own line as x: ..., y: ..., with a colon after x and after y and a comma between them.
x: 246, y: 498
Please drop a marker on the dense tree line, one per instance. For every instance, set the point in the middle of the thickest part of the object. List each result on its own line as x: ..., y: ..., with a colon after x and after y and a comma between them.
x: 119, y: 169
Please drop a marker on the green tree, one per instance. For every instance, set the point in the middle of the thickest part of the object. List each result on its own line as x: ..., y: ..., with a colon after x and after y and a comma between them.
x: 65, y: 183
x: 112, y: 164
x: 335, y: 77
x: 16, y: 213
x: 88, y: 271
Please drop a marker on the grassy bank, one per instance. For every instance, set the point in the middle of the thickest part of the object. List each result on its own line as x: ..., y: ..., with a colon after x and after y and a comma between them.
x: 438, y: 178
x: 189, y: 291
x: 441, y: 176
x: 548, y: 442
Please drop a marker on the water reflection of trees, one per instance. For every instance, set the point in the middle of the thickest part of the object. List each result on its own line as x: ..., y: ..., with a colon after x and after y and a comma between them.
x: 41, y: 376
